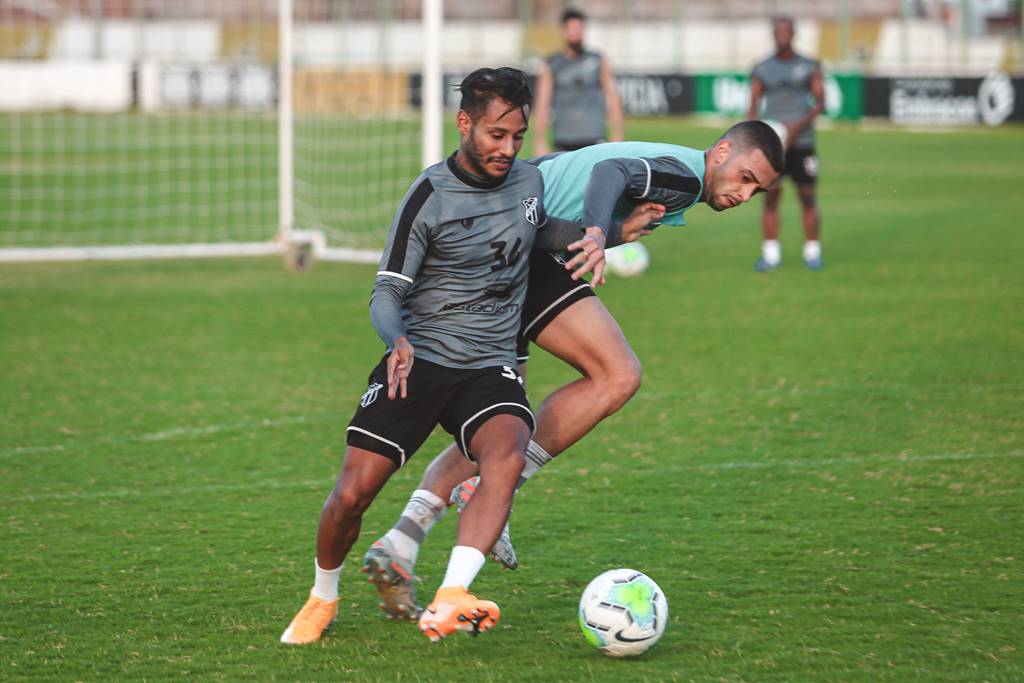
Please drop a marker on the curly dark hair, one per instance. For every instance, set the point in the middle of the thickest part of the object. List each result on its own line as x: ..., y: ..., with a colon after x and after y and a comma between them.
x: 483, y: 85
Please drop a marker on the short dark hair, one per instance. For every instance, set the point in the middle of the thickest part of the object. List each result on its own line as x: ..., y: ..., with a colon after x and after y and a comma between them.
x: 755, y: 134
x: 573, y: 13
x: 483, y: 85
x: 784, y: 19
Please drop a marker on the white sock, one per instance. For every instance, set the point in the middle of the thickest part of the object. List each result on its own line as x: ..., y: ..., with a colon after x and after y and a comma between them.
x: 536, y: 457
x: 812, y: 250
x: 420, y: 514
x: 463, y: 566
x: 325, y: 585
x: 771, y: 252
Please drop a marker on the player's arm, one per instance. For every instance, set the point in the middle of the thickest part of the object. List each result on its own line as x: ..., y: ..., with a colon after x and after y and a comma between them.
x: 663, y: 180
x: 560, y: 233
x: 756, y: 92
x: 612, y: 101
x: 641, y: 181
x: 817, y: 88
x: 386, y: 316
x: 542, y: 110
x: 399, y: 266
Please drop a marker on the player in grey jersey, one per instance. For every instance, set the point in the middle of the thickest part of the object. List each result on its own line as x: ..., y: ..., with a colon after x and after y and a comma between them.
x: 448, y: 294
x: 576, y: 90
x: 788, y: 88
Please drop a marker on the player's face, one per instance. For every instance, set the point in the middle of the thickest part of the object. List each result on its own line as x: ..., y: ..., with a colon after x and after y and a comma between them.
x: 783, y: 34
x: 572, y: 31
x: 737, y: 176
x: 491, y: 142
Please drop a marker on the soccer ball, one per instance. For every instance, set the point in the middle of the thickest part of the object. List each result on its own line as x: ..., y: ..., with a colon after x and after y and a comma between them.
x: 623, y: 613
x: 780, y: 130
x: 627, y: 260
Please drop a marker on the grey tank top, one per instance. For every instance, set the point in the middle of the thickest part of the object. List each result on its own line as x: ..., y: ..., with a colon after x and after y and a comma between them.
x: 578, y: 106
x: 787, y: 92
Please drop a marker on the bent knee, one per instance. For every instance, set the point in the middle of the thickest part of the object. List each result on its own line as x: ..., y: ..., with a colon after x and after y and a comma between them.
x: 619, y: 385
x: 347, y: 502
x: 505, y: 461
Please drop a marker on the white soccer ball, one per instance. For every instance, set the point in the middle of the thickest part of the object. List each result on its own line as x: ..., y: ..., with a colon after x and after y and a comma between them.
x: 623, y: 613
x: 780, y: 130
x: 627, y: 260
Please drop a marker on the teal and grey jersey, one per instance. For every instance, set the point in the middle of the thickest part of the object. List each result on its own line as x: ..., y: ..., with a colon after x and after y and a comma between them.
x: 787, y: 92
x: 600, y: 185
x: 452, y: 278
x: 578, y: 106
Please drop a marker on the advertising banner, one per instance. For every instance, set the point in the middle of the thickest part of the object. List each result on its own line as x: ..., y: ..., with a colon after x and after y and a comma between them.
x: 992, y: 100
x: 728, y: 94
x: 655, y: 94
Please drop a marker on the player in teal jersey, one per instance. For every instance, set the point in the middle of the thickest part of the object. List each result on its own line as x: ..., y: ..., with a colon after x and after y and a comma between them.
x: 563, y: 316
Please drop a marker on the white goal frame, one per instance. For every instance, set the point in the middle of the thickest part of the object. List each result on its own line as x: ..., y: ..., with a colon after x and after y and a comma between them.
x: 288, y: 234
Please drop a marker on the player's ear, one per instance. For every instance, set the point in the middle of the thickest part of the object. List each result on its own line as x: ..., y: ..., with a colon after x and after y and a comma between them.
x: 464, y: 123
x: 722, y: 150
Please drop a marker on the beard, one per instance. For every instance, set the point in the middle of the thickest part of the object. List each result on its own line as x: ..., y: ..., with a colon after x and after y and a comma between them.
x: 576, y: 46
x: 475, y: 159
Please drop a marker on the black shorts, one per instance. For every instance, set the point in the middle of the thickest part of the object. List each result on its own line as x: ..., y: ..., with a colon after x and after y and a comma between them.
x: 460, y: 400
x: 550, y: 290
x: 802, y: 166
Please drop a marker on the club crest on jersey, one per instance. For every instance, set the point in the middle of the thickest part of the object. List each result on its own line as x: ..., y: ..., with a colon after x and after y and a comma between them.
x: 370, y: 395
x: 467, y: 223
x: 531, y: 204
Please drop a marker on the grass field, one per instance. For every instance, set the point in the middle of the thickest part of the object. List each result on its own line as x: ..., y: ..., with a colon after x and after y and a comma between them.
x: 824, y: 472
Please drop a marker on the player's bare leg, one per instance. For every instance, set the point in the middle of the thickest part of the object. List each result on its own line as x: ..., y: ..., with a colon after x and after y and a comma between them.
x: 499, y: 446
x: 446, y: 470
x: 587, y: 337
x: 362, y: 475
x: 812, y: 226
x: 771, y: 252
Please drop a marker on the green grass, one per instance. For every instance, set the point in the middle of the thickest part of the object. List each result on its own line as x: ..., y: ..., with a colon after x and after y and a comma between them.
x: 824, y: 472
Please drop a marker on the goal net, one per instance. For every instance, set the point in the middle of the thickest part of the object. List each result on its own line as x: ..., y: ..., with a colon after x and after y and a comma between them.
x: 135, y: 128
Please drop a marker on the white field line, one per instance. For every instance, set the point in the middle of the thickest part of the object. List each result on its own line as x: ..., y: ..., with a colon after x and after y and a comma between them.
x: 162, y: 435
x: 848, y: 460
x: 185, y: 490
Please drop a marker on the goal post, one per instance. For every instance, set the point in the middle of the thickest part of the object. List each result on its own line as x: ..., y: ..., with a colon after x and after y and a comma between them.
x: 231, y: 127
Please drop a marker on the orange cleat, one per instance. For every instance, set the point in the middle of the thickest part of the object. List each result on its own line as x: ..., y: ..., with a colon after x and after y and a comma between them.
x: 315, y: 617
x: 456, y: 609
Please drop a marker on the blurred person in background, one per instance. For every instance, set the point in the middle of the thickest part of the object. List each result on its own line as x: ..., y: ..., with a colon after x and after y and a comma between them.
x: 576, y: 92
x: 793, y: 95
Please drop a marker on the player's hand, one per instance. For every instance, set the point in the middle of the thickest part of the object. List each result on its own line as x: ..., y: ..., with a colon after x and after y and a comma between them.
x: 590, y: 257
x: 643, y: 215
x: 399, y: 366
